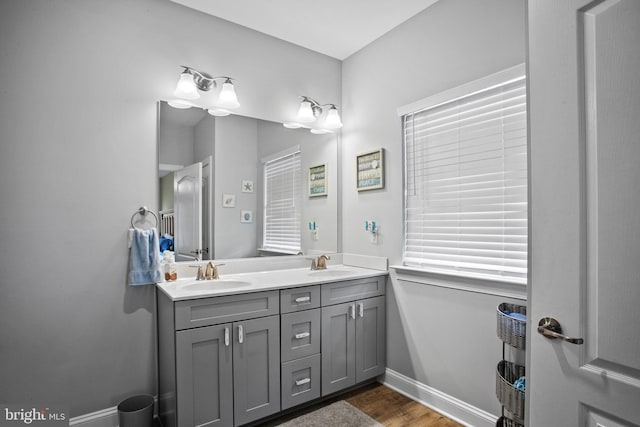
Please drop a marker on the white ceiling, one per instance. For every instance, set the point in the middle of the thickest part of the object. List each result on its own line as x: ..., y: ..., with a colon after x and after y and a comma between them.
x: 337, y: 28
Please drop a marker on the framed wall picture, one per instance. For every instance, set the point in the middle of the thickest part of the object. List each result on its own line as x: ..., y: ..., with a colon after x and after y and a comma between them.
x: 247, y: 186
x: 246, y: 217
x: 228, y: 200
x: 318, y: 180
x: 370, y: 170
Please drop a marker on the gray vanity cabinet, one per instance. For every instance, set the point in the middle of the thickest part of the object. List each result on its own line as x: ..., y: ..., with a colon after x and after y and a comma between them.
x: 212, y: 379
x: 230, y: 360
x: 353, y: 343
x: 219, y: 359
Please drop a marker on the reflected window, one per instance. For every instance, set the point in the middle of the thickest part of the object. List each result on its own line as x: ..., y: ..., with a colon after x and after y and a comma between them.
x: 282, y: 203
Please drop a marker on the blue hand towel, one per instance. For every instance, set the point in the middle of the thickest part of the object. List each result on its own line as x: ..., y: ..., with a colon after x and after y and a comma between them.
x: 144, y: 258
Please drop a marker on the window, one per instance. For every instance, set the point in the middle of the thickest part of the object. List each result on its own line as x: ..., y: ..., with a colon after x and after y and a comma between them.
x: 282, y: 201
x: 466, y: 180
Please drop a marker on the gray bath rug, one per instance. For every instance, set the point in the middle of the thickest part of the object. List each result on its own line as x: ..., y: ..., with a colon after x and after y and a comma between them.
x: 339, y: 414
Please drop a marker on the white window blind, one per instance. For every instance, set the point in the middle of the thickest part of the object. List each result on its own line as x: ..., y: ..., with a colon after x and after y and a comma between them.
x: 282, y: 201
x: 466, y: 185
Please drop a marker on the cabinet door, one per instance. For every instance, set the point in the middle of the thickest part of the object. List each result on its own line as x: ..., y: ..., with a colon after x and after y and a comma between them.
x: 256, y: 368
x: 338, y: 347
x: 203, y: 376
x: 370, y: 338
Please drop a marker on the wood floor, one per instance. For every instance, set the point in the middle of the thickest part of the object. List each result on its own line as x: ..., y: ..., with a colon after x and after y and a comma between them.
x: 384, y: 405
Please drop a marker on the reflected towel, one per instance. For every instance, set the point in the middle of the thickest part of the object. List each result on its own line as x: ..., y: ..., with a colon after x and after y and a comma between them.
x: 144, y: 258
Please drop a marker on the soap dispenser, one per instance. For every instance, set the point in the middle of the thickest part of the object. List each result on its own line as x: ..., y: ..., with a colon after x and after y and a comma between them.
x: 170, y: 272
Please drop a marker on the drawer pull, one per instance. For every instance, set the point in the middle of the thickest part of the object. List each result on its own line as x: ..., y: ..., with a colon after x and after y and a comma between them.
x: 352, y: 311
x: 302, y: 335
x: 361, y: 309
x: 240, y: 334
x: 226, y: 337
x: 303, y: 381
x: 302, y: 299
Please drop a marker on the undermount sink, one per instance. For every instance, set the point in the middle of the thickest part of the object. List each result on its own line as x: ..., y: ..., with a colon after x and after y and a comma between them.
x: 331, y: 272
x: 207, y: 285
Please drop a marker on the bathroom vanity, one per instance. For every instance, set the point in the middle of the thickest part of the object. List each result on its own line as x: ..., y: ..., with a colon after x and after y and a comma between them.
x: 235, y: 350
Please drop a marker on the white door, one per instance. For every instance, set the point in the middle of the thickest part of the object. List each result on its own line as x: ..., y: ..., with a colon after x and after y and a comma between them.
x: 584, y: 76
x: 187, y: 206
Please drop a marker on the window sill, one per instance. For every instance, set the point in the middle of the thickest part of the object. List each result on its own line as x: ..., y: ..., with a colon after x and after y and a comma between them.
x: 468, y: 284
x: 266, y: 251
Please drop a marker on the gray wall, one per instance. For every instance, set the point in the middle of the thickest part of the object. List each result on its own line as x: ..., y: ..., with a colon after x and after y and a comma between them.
x: 204, y: 138
x: 166, y: 192
x: 79, y: 82
x: 236, y: 159
x: 441, y: 337
x: 176, y: 143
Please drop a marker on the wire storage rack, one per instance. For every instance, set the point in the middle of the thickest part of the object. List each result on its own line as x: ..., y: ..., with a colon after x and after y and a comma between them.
x: 511, y: 329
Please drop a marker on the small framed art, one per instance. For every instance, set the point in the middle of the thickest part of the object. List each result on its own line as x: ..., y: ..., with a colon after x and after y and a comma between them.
x: 370, y: 170
x: 318, y: 180
x: 246, y: 217
x: 247, y: 186
x: 228, y: 200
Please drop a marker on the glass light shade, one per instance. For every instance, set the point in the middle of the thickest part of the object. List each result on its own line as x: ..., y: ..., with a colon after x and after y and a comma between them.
x: 228, y: 98
x: 292, y: 125
x: 218, y: 112
x: 332, y: 120
x: 186, y: 87
x: 179, y: 103
x: 320, y: 131
x: 305, y: 112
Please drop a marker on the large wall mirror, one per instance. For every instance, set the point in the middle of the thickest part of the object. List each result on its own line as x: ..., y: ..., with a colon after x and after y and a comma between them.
x: 211, y: 172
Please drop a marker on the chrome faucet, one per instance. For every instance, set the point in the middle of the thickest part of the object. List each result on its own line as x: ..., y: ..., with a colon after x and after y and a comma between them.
x: 320, y: 263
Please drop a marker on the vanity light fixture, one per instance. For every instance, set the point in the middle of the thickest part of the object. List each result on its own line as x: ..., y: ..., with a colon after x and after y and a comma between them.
x: 310, y: 113
x: 332, y: 121
x: 191, y: 81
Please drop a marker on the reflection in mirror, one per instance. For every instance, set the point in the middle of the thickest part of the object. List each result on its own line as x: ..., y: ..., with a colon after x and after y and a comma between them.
x: 212, y: 184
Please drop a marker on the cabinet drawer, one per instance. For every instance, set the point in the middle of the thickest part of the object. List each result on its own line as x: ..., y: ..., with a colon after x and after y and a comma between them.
x: 212, y: 311
x: 351, y: 290
x: 296, y: 299
x: 300, y: 381
x: 300, y: 334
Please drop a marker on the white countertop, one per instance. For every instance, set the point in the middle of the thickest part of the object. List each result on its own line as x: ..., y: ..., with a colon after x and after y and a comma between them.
x: 241, y: 283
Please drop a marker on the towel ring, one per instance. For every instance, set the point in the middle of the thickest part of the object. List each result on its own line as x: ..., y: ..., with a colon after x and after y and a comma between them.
x: 143, y: 211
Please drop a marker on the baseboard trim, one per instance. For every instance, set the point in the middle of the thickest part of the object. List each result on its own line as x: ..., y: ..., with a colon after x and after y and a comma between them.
x: 103, y: 418
x: 440, y: 402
